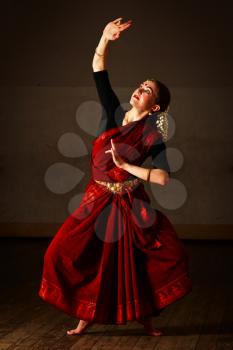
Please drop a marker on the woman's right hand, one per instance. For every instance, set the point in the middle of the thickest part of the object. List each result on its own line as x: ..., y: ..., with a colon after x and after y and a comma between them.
x: 113, y: 29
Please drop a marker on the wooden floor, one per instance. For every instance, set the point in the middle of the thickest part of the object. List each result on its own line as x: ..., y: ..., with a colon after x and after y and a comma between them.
x: 202, y: 320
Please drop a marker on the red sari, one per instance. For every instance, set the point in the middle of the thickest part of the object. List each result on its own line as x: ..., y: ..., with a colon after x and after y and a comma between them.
x: 116, y: 258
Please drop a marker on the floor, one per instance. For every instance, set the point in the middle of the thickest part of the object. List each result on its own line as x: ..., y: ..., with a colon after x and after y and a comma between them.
x: 202, y: 320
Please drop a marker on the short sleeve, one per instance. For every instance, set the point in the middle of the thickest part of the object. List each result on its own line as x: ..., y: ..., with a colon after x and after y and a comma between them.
x: 108, y: 100
x: 159, y: 156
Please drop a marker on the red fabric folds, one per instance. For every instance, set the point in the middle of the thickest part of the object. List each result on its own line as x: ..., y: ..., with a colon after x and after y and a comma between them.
x: 115, y: 258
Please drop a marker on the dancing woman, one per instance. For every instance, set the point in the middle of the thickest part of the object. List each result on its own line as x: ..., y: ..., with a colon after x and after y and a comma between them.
x: 116, y: 258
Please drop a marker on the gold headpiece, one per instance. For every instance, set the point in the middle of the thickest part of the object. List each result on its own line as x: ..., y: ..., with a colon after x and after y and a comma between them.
x: 162, y: 124
x: 162, y: 120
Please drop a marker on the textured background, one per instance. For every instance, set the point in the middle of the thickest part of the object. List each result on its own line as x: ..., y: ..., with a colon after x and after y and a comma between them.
x: 46, y: 82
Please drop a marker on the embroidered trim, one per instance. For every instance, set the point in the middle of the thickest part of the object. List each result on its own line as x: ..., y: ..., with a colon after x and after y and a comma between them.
x: 86, y: 309
x: 178, y: 287
x: 120, y: 187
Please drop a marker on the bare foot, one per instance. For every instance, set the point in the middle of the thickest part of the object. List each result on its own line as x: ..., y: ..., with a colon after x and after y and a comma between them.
x: 80, y: 329
x: 147, y: 323
x: 154, y: 332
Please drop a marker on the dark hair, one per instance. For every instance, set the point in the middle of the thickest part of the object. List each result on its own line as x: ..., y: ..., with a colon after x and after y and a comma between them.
x: 163, y: 95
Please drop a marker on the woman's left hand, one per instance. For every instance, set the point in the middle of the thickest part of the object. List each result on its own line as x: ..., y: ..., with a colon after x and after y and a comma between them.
x: 115, y: 156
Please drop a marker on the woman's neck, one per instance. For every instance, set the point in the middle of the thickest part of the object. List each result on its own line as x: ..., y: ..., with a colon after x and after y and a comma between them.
x: 133, y: 114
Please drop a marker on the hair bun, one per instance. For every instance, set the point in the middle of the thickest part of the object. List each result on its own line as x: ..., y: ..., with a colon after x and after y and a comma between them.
x: 162, y: 124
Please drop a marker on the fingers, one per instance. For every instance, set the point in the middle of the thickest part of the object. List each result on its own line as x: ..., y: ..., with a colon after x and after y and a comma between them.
x: 113, y: 149
x: 124, y: 26
x: 117, y: 20
x: 115, y: 156
x: 117, y: 35
x: 113, y: 146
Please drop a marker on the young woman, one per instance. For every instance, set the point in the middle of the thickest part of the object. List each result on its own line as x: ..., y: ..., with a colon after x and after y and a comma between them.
x: 116, y: 258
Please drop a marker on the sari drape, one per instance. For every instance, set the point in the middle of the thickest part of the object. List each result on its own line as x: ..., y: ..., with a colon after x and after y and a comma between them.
x: 116, y: 258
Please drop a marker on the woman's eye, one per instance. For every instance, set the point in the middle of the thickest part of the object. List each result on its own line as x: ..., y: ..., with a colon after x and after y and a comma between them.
x: 148, y: 91
x: 145, y: 89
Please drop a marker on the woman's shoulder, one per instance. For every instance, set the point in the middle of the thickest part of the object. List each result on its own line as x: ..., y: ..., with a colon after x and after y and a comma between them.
x: 152, y: 123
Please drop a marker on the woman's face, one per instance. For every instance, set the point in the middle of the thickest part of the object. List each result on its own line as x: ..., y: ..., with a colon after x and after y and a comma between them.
x: 143, y: 98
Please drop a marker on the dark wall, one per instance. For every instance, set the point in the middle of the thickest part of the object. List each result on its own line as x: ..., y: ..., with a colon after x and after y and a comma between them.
x: 47, y: 90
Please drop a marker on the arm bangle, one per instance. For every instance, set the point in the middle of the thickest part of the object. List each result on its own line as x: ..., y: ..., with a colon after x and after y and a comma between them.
x: 148, y: 175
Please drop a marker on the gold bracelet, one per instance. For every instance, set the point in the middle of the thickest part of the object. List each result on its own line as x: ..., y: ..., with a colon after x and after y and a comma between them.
x: 101, y: 55
x: 148, y: 175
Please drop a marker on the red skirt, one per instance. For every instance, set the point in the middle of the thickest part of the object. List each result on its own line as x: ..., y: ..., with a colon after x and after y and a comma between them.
x: 115, y: 259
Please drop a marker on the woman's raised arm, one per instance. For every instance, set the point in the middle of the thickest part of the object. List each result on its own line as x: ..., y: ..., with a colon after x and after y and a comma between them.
x: 112, y: 31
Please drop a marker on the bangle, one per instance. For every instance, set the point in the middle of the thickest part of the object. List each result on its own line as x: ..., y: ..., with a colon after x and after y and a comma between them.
x: 101, y: 55
x: 148, y: 175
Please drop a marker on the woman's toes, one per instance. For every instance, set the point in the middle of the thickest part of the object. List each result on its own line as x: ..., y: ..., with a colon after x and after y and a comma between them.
x: 155, y: 332
x: 81, y: 328
x: 72, y: 331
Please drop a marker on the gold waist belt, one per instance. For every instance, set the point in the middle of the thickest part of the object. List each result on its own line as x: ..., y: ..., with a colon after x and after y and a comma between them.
x: 120, y: 187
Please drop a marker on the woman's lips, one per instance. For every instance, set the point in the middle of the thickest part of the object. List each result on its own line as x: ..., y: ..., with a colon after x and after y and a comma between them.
x: 136, y: 97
